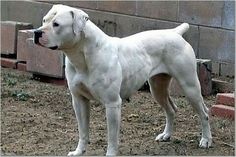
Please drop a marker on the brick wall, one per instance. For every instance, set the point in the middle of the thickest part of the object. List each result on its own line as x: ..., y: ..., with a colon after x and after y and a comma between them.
x: 212, y: 32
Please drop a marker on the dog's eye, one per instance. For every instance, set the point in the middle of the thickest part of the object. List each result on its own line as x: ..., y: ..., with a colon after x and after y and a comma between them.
x: 55, y: 24
x: 44, y: 20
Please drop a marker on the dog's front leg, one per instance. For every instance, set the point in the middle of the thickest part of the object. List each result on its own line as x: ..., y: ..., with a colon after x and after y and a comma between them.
x: 82, y: 109
x: 113, y: 115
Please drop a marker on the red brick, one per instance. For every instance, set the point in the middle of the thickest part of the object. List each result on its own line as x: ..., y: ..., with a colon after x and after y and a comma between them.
x: 9, y: 30
x: 225, y: 99
x: 21, y: 67
x: 22, y: 47
x: 45, y: 61
x: 8, y: 40
x: 8, y: 63
x: 223, y: 111
x: 204, y: 69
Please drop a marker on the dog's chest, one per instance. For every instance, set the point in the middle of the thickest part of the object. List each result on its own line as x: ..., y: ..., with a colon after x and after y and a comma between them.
x: 78, y: 85
x: 85, y: 91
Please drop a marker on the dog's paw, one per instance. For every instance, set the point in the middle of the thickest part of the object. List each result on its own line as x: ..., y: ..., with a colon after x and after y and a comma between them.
x: 163, y: 137
x: 76, y: 153
x: 205, y: 143
x: 110, y: 153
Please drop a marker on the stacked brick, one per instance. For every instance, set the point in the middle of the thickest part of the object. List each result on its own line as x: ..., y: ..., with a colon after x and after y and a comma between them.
x: 225, y: 106
x: 9, y: 31
x: 9, y: 40
x: 19, y: 52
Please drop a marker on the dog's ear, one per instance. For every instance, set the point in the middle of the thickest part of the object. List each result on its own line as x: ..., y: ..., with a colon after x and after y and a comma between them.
x: 79, y: 20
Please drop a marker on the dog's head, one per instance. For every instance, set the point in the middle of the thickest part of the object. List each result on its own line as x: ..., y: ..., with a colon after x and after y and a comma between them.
x: 62, y: 27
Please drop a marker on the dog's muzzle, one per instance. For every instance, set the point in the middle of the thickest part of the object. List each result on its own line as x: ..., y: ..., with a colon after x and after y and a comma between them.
x: 37, y: 35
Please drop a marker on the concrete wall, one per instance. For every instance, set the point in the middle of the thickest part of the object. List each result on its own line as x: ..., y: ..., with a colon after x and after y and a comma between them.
x: 212, y: 31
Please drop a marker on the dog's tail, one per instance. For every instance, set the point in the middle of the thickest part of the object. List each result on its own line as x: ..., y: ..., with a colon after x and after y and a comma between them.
x: 181, y: 29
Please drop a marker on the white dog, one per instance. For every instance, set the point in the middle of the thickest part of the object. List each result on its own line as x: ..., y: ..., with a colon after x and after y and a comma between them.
x: 109, y: 69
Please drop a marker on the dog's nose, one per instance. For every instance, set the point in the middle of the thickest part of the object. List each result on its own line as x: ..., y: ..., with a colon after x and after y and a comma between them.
x: 37, y: 35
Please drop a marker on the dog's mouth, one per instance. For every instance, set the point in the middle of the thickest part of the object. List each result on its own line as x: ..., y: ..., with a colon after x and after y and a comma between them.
x: 53, y: 47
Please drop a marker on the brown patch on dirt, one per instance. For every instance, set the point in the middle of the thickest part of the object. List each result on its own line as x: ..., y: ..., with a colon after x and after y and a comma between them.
x: 38, y: 119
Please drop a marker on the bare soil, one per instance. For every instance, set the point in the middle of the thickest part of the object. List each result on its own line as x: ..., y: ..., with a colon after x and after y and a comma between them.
x: 37, y: 119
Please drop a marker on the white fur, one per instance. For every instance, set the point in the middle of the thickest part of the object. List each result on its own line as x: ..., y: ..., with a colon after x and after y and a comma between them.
x: 109, y: 69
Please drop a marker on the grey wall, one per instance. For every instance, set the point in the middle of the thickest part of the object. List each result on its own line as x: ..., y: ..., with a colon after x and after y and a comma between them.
x: 212, y: 31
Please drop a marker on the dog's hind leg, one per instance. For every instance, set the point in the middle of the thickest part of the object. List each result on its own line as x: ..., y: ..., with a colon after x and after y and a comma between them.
x: 183, y: 68
x: 159, y: 85
x: 192, y: 89
x: 188, y: 80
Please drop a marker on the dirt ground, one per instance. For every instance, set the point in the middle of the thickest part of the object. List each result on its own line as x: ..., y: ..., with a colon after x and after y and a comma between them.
x: 37, y: 119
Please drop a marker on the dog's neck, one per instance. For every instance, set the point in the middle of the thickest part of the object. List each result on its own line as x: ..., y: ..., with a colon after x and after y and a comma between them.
x: 93, y: 33
x: 82, y: 54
